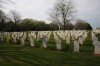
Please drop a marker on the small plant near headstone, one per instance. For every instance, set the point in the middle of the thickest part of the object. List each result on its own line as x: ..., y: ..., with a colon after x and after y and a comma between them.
x: 51, y: 43
x: 71, y: 45
x: 65, y: 47
x: 36, y: 34
x: 98, y: 36
x: 26, y: 41
x: 87, y: 44
x: 18, y: 41
x: 9, y: 39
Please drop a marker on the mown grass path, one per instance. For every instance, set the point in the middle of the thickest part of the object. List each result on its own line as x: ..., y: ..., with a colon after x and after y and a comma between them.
x: 28, y: 56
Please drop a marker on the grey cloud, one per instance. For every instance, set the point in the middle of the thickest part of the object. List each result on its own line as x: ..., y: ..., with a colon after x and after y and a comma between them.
x: 37, y: 9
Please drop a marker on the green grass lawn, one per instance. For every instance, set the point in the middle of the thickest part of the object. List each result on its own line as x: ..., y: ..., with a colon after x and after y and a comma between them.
x: 15, y: 55
x: 11, y: 55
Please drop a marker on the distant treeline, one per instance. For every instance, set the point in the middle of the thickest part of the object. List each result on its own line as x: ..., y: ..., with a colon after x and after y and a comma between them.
x: 13, y: 23
x: 33, y: 25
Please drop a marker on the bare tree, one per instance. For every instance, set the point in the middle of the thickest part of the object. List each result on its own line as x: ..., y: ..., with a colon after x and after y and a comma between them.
x: 2, y: 15
x: 4, y: 1
x: 15, y: 16
x: 62, y: 12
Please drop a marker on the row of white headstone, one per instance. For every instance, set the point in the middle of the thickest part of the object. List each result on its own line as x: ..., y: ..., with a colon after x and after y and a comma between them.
x: 96, y: 42
x: 77, y: 36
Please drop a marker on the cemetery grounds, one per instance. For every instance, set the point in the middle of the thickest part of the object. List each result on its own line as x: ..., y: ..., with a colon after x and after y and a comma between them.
x: 16, y: 54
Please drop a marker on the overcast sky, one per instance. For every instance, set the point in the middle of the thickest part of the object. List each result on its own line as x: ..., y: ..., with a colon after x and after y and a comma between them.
x: 88, y: 10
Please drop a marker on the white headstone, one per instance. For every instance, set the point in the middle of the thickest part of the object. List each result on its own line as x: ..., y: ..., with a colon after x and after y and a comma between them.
x: 45, y: 40
x: 81, y: 40
x: 96, y: 43
x: 58, y: 42
x: 22, y: 38
x: 31, y: 38
x: 68, y: 38
x: 76, y: 46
